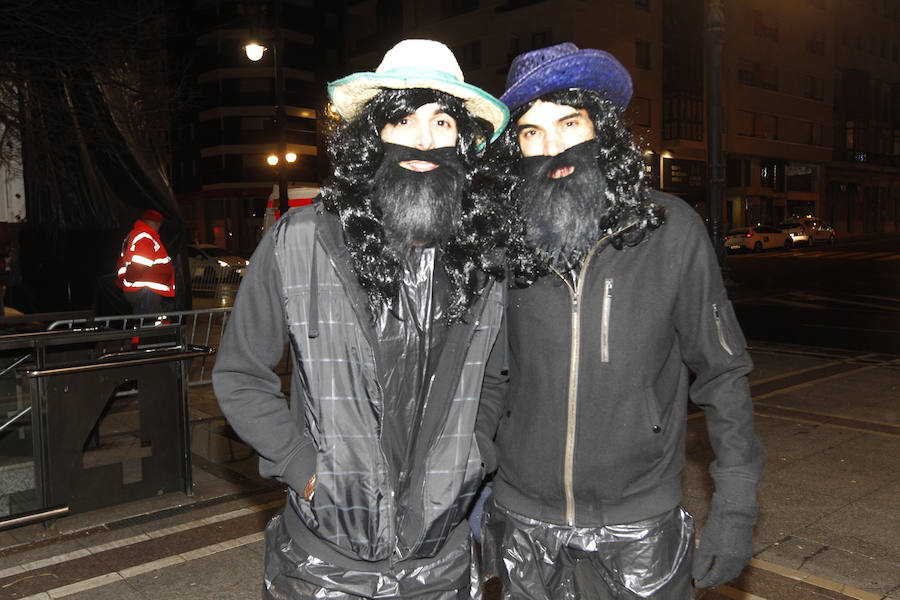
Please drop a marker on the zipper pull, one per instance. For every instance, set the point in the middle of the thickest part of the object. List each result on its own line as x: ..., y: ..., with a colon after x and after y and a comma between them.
x: 719, y: 331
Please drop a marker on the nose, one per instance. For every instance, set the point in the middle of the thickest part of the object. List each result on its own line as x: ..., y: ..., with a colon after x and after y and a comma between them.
x: 424, y: 138
x: 553, y: 144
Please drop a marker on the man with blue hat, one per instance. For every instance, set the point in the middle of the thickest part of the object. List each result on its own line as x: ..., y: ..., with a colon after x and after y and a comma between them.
x: 617, y: 314
x: 386, y: 292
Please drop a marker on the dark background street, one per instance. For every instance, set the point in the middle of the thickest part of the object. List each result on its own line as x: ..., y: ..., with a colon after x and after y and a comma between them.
x: 842, y: 296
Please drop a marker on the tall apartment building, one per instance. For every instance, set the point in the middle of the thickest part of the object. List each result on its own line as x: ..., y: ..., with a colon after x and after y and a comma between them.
x: 810, y: 125
x: 778, y: 97
x: 863, y: 178
x: 219, y: 171
x: 813, y: 112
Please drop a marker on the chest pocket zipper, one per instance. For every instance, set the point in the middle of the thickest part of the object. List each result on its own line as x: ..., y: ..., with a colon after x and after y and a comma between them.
x: 719, y: 330
x: 604, y: 322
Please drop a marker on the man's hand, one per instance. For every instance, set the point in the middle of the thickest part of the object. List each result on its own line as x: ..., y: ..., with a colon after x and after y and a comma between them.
x: 309, y: 489
x: 726, y: 544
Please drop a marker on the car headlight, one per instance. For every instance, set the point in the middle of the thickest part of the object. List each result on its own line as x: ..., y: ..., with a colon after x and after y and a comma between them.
x: 222, y: 263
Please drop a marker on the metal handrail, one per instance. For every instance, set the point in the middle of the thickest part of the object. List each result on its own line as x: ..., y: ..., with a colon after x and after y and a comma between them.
x: 34, y: 517
x: 15, y: 418
x: 202, y: 327
x: 15, y: 364
x: 195, y: 351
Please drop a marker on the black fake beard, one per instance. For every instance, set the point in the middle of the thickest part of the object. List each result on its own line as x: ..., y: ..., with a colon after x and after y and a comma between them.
x: 419, y: 207
x: 563, y: 217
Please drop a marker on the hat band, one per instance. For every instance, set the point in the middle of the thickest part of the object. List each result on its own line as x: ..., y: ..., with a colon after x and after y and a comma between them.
x: 421, y: 73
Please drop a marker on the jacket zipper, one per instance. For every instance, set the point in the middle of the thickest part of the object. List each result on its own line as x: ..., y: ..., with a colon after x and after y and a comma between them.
x: 719, y: 330
x: 392, y: 534
x: 572, y: 406
x: 604, y: 322
x: 569, y: 460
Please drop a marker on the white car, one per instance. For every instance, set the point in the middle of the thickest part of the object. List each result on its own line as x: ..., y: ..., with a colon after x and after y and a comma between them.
x: 211, y: 265
x: 756, y: 238
x: 808, y: 231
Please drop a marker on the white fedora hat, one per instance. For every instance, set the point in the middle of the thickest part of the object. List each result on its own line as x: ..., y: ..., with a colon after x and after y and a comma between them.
x: 416, y: 64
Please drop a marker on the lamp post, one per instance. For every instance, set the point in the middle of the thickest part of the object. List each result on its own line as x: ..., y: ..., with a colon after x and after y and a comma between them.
x: 280, y: 160
x: 715, y: 39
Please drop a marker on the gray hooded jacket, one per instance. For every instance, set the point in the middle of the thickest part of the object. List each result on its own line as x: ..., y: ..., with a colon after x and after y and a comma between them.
x: 300, y: 289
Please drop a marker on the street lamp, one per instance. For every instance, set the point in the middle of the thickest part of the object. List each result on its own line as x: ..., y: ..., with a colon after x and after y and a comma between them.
x: 289, y: 157
x: 255, y: 51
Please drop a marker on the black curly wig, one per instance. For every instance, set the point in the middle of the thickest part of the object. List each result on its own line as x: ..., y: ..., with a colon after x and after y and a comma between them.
x: 356, y: 151
x: 630, y: 214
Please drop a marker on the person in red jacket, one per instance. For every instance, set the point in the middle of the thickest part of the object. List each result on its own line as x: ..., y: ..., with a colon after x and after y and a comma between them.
x: 145, y: 271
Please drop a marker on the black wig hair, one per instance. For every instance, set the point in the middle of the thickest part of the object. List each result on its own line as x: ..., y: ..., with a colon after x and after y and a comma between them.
x: 356, y: 151
x: 630, y: 215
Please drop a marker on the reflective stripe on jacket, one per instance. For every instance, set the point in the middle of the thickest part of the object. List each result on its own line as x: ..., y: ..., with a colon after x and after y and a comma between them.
x: 144, y: 263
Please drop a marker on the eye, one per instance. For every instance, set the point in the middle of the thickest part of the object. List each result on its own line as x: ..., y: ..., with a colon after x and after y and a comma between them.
x: 403, y: 121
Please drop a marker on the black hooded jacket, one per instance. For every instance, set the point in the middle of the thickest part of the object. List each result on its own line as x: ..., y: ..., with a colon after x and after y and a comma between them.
x: 593, y: 430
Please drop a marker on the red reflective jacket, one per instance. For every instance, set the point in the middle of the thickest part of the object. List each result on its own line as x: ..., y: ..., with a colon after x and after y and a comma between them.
x: 144, y: 262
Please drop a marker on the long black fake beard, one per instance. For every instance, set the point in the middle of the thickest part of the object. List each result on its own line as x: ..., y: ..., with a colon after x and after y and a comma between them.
x: 416, y: 206
x: 563, y: 217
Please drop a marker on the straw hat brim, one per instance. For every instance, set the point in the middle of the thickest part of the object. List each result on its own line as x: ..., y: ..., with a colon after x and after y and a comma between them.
x: 351, y: 93
x: 586, y: 69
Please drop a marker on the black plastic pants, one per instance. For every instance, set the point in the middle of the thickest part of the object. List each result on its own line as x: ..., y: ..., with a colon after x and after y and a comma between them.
x: 290, y: 573
x: 648, y: 559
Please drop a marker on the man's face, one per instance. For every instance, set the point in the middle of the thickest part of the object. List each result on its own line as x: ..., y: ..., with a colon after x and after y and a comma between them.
x: 548, y: 129
x: 562, y: 191
x: 420, y: 182
x: 427, y: 128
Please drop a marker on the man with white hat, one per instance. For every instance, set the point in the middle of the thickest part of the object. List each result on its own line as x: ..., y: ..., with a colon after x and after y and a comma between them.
x: 619, y: 314
x: 386, y: 291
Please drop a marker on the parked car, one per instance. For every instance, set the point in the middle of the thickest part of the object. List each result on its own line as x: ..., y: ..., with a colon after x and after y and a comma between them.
x: 808, y: 231
x: 211, y: 265
x: 796, y: 231
x: 756, y: 238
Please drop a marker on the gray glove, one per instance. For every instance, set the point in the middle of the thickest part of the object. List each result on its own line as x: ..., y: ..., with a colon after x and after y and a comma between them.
x: 726, y: 544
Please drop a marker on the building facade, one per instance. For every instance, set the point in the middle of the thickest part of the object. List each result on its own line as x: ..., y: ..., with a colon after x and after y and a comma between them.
x: 862, y: 187
x: 777, y: 99
x: 219, y: 167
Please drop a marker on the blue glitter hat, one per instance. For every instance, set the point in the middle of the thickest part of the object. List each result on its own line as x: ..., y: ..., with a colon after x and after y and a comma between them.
x: 562, y: 67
